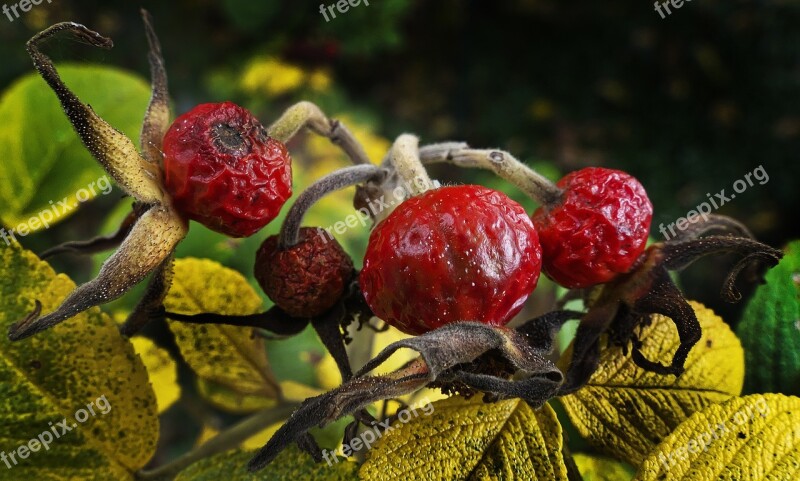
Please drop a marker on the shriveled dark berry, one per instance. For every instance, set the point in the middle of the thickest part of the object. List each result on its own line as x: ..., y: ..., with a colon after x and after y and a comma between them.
x: 306, y: 279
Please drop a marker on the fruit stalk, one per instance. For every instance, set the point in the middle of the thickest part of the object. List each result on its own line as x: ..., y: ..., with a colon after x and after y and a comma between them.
x: 306, y: 114
x: 406, y: 161
x: 505, y: 165
x: 357, y: 174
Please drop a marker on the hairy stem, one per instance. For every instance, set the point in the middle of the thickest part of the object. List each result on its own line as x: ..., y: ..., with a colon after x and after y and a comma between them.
x: 501, y: 163
x: 357, y: 174
x: 226, y: 440
x: 306, y: 114
x: 406, y: 161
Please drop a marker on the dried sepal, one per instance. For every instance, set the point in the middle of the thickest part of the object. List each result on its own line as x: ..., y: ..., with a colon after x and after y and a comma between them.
x: 156, y: 120
x: 627, y: 303
x: 115, y: 152
x: 99, y: 243
x: 149, y: 243
x: 444, y: 353
x: 700, y: 226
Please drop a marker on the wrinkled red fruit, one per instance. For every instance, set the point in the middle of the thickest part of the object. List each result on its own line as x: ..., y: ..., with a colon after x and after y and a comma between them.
x: 223, y: 171
x: 597, y: 230
x: 465, y: 253
x: 306, y: 279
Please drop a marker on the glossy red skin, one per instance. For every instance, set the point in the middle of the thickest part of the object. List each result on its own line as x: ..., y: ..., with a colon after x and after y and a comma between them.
x: 307, y: 279
x: 235, y: 184
x: 597, y: 231
x: 462, y: 253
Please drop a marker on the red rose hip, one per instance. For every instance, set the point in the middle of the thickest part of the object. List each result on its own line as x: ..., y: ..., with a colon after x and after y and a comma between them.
x: 597, y: 230
x: 462, y: 253
x: 307, y: 279
x: 223, y: 171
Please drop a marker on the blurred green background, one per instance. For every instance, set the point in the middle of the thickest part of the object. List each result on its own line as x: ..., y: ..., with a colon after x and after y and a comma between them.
x: 687, y: 104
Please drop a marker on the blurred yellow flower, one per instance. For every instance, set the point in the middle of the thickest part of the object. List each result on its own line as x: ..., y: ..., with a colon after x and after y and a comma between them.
x: 272, y: 77
x: 319, y: 80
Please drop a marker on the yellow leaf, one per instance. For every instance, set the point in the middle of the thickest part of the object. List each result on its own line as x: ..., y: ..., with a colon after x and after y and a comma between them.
x: 597, y: 468
x: 230, y: 361
x: 754, y: 437
x: 63, y: 375
x: 470, y: 440
x: 626, y: 410
x: 162, y: 370
x: 290, y: 465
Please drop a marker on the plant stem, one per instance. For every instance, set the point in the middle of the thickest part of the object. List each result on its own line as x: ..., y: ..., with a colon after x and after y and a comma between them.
x: 306, y: 114
x: 501, y: 163
x: 224, y: 441
x: 406, y: 161
x: 357, y: 174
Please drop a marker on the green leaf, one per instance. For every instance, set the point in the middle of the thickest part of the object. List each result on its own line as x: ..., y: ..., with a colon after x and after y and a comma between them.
x: 770, y: 329
x: 230, y: 361
x: 58, y: 372
x: 291, y: 465
x: 467, y: 439
x: 598, y: 468
x: 754, y: 437
x: 625, y: 410
x: 43, y: 159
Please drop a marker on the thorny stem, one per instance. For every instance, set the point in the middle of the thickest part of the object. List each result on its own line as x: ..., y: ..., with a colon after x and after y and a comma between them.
x: 228, y: 439
x: 306, y: 114
x: 502, y: 163
x: 357, y: 174
x: 406, y: 161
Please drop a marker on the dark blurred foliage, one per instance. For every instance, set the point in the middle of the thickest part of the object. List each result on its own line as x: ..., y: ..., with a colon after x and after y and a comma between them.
x: 688, y: 104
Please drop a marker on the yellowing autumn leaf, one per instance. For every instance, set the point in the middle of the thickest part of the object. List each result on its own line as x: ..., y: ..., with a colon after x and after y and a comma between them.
x: 597, y: 468
x: 51, y: 383
x: 161, y: 369
x: 230, y: 361
x: 754, y: 438
x: 470, y: 440
x: 625, y: 410
x: 290, y: 465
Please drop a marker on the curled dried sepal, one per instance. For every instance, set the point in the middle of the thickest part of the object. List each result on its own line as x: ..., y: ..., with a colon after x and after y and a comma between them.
x: 115, y: 152
x: 149, y: 243
x: 445, y: 354
x: 629, y: 301
x: 679, y: 255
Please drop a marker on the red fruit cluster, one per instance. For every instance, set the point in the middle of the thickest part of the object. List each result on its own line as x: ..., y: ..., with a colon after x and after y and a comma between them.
x: 465, y: 253
x: 307, y: 279
x: 597, y: 230
x: 223, y: 171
